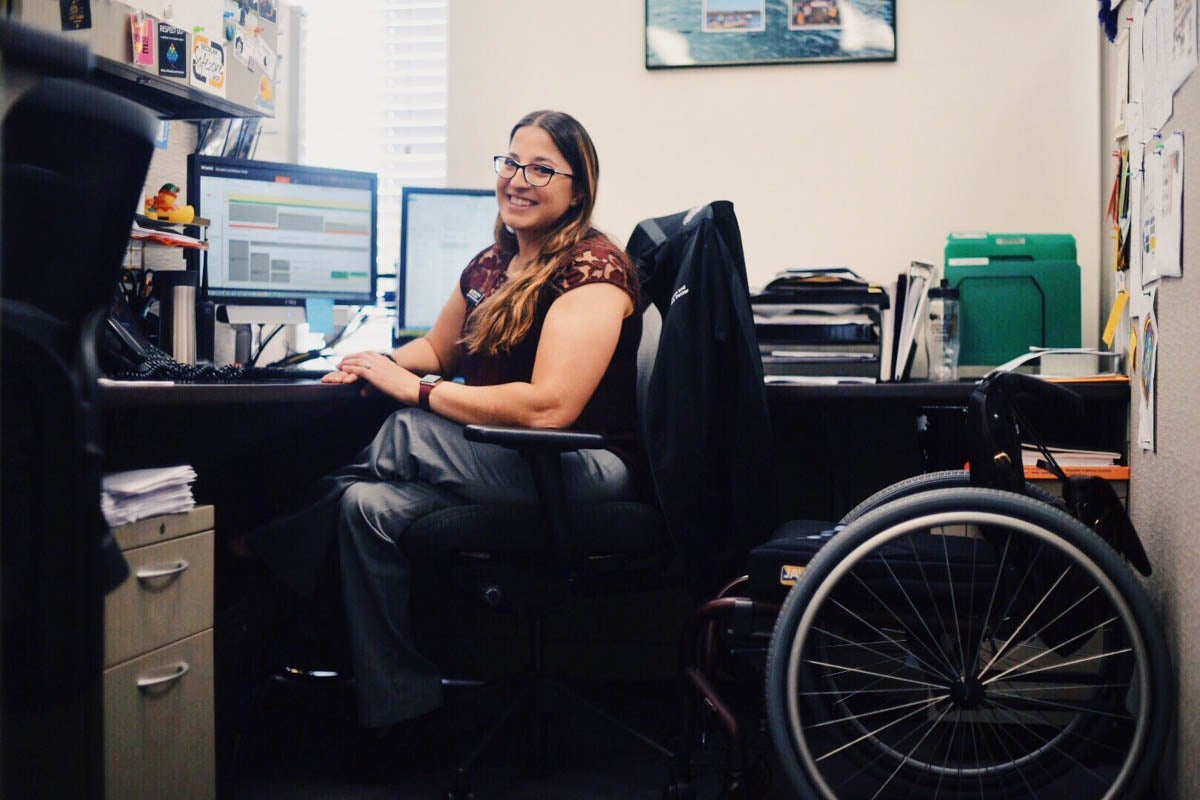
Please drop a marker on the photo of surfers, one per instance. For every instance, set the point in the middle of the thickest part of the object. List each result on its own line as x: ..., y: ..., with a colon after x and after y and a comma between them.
x: 810, y: 14
x: 734, y: 15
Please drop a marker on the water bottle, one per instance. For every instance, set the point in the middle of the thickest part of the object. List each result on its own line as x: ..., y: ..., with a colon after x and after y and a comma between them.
x: 942, y: 335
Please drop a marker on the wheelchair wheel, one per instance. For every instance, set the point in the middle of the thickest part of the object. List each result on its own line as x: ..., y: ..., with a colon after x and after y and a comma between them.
x: 945, y: 479
x: 967, y: 643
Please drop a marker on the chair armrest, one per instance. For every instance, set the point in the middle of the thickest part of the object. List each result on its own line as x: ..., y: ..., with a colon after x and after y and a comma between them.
x: 545, y: 439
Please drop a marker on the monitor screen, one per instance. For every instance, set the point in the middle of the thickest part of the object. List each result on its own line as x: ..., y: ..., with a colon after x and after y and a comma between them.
x: 283, y: 234
x: 440, y: 231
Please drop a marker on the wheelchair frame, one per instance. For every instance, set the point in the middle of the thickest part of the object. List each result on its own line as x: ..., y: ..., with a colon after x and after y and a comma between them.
x: 891, y: 672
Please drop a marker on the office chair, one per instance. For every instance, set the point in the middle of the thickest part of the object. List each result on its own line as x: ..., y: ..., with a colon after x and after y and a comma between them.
x: 75, y: 159
x: 532, y: 558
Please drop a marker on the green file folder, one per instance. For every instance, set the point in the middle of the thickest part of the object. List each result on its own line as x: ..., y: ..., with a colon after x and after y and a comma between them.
x: 1017, y: 290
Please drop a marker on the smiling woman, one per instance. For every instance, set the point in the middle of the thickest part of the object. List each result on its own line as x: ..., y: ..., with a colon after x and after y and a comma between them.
x: 543, y: 332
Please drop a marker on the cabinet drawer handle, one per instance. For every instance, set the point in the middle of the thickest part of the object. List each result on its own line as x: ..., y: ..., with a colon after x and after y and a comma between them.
x: 170, y: 674
x: 160, y: 572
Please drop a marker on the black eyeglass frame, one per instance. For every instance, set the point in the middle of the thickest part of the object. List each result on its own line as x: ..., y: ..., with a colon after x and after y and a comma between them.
x: 502, y: 163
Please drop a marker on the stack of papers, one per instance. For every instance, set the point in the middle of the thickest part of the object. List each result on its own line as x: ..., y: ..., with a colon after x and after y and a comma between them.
x: 129, y: 496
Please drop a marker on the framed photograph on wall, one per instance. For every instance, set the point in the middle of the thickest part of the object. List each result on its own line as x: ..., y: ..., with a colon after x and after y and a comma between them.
x: 705, y: 33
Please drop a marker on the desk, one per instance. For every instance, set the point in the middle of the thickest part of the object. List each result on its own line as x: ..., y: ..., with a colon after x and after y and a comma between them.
x: 255, y: 444
x: 836, y: 445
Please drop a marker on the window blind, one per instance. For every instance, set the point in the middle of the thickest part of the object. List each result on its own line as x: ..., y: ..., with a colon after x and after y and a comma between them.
x: 373, y: 97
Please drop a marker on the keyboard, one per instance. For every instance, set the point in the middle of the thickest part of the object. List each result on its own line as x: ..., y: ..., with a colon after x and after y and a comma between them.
x: 166, y: 369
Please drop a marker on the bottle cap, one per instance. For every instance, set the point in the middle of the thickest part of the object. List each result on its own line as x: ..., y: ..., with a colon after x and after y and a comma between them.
x: 944, y: 291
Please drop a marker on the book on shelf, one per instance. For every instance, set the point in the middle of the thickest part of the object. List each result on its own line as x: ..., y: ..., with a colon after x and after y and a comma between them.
x: 1112, y: 472
x: 1069, y: 457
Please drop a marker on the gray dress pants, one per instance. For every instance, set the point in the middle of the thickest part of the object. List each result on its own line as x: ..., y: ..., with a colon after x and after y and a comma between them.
x: 418, y: 463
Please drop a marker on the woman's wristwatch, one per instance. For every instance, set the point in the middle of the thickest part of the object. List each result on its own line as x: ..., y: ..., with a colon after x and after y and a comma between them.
x: 427, y: 384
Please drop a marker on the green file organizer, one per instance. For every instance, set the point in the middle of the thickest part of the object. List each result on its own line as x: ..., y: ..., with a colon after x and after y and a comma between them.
x: 1017, y: 290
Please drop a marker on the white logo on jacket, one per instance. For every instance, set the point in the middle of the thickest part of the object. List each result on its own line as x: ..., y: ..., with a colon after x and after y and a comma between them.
x: 680, y: 292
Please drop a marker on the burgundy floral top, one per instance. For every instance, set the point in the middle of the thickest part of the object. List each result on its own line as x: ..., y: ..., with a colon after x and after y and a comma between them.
x: 612, y: 408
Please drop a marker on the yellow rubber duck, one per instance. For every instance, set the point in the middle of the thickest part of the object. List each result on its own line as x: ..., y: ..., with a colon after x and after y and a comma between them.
x: 162, y: 206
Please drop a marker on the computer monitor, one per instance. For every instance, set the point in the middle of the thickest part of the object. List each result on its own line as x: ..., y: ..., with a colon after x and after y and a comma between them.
x: 440, y: 231
x: 285, y: 234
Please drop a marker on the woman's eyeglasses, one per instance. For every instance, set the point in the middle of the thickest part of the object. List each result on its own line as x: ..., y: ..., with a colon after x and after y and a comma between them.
x: 535, y: 174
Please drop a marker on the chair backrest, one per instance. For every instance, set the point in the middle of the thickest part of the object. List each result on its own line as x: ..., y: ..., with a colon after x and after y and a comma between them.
x: 646, y: 355
x: 706, y: 426
x: 75, y: 162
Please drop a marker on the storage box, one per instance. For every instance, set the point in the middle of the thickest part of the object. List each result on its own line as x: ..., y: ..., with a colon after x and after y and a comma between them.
x: 1017, y: 290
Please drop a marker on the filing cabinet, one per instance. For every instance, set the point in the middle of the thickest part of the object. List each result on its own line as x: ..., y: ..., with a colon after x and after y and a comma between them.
x: 159, y: 733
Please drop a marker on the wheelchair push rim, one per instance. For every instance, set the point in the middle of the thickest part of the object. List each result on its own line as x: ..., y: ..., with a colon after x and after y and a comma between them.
x: 1025, y: 661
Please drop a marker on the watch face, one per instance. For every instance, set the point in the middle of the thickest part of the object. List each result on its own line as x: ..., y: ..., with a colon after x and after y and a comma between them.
x: 430, y: 380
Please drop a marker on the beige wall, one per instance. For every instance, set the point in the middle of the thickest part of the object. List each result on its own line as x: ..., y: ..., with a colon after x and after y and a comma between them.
x: 987, y: 120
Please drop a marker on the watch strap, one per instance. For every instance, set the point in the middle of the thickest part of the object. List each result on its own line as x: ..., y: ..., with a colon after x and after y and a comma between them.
x: 427, y: 385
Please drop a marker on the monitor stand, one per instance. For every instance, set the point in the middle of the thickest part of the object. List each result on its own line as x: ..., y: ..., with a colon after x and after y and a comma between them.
x: 267, y: 315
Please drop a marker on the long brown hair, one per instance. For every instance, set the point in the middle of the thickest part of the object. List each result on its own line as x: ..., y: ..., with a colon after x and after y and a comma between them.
x: 504, y: 318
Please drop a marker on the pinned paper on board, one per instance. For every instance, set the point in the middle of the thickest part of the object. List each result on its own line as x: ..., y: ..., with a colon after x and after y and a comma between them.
x: 1168, y: 214
x: 1147, y: 365
x: 172, y: 51
x: 264, y: 57
x: 265, y: 98
x: 208, y: 64
x: 143, y: 35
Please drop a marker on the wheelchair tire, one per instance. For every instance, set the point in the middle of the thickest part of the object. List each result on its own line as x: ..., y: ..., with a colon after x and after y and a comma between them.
x: 945, y: 479
x: 968, y: 643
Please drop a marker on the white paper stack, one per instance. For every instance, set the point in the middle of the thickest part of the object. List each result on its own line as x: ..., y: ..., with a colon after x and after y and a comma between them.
x: 129, y: 496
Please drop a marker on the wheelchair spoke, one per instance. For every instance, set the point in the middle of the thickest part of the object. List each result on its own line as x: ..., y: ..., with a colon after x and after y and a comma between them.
x: 920, y: 617
x: 1060, y: 750
x: 886, y: 657
x: 870, y: 734
x: 1072, y: 662
x: 1008, y: 756
x: 1083, y: 635
x: 1091, y: 710
x: 911, y: 634
x: 958, y: 639
x: 932, y: 725
x: 856, y: 670
x: 876, y: 711
x: 1025, y: 621
x: 987, y: 615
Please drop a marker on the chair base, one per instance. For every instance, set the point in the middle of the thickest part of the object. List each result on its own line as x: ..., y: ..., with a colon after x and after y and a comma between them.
x: 534, y: 697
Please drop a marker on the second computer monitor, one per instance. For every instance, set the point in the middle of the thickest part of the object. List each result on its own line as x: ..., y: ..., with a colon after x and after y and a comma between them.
x: 440, y: 231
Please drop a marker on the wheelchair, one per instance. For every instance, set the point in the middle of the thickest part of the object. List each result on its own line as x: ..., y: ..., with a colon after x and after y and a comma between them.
x: 956, y: 635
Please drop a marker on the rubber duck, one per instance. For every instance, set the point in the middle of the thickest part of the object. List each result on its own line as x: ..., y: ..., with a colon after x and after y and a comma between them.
x: 162, y: 206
